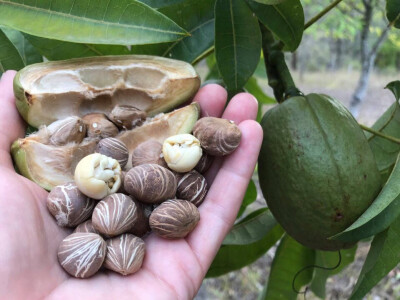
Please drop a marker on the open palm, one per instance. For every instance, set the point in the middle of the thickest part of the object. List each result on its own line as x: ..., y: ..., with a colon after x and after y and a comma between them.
x: 171, y: 269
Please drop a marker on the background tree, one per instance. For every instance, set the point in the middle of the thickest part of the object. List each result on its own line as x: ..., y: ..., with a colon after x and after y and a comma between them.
x: 369, y: 45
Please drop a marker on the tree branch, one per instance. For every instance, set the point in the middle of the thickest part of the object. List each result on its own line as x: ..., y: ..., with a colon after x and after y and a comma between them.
x: 321, y: 14
x: 279, y: 77
x: 382, y: 37
x: 353, y: 7
x: 379, y: 41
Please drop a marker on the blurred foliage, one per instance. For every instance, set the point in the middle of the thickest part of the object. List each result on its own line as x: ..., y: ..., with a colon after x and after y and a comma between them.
x: 337, y: 35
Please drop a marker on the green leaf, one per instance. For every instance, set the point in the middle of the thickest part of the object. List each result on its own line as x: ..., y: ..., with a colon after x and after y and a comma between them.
x: 329, y: 259
x: 253, y: 88
x: 237, y: 42
x: 211, y: 61
x: 285, y: 20
x: 382, y: 257
x: 197, y: 17
x: 10, y: 59
x: 261, y: 71
x: 27, y: 52
x: 213, y: 74
x: 381, y: 213
x: 269, y: 2
x: 385, y: 151
x: 234, y: 257
x: 290, y: 257
x: 259, y: 112
x: 119, y: 22
x: 159, y: 4
x: 249, y: 197
x: 393, y: 12
x: 253, y: 228
x: 59, y: 50
x: 394, y: 87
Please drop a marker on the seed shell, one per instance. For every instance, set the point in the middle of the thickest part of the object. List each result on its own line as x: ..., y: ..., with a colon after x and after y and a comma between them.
x: 125, y: 254
x: 68, y: 205
x: 174, y: 219
x: 192, y: 187
x: 218, y: 137
x: 82, y: 254
x: 150, y: 183
x: 115, y: 214
x: 114, y: 148
x: 86, y: 226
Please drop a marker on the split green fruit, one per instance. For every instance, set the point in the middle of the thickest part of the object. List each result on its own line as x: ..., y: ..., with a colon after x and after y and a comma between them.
x: 55, y: 91
x: 316, y: 169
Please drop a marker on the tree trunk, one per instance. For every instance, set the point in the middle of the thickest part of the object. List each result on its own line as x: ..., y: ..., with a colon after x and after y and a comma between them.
x: 368, y: 56
x: 362, y: 85
x: 339, y: 52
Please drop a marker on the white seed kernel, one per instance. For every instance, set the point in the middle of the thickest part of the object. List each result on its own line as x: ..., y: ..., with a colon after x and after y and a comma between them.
x: 182, y: 152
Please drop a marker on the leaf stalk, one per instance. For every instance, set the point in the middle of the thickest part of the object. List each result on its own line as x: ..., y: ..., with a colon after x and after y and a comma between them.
x: 380, y: 134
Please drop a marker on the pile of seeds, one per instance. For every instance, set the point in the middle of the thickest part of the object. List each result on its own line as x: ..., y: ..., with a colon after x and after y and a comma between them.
x: 113, y: 210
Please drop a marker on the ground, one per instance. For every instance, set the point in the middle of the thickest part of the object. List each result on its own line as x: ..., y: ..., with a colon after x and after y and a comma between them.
x: 248, y: 282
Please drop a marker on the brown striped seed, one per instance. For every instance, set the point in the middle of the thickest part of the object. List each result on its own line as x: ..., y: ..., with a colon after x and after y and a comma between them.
x: 114, y: 148
x: 174, y: 219
x: 82, y: 254
x: 204, y: 163
x: 86, y: 226
x: 122, y: 188
x: 182, y: 152
x: 68, y: 130
x: 141, y: 226
x: 217, y: 137
x: 125, y: 254
x: 150, y: 183
x: 98, y: 126
x: 192, y: 187
x: 149, y: 152
x: 115, y: 214
x: 68, y: 205
x: 97, y: 175
x: 127, y: 117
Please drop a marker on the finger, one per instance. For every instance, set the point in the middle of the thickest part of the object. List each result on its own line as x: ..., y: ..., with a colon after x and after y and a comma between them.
x: 11, y: 124
x: 212, y: 99
x: 242, y: 107
x: 219, y: 210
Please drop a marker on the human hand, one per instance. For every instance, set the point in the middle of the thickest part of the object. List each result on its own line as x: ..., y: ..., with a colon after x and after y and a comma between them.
x: 172, y: 269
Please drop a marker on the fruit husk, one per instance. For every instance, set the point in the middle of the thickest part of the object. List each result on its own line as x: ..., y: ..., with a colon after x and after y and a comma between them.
x: 316, y: 169
x: 49, y: 165
x: 50, y: 91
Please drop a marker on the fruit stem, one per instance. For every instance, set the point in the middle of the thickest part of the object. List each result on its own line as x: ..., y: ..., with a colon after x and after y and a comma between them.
x: 321, y: 14
x: 279, y: 77
x: 380, y: 134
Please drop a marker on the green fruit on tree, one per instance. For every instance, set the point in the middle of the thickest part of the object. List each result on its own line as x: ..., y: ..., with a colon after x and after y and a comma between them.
x: 56, y: 96
x: 316, y: 169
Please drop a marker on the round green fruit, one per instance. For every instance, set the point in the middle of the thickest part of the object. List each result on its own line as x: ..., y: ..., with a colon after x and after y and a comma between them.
x: 316, y: 169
